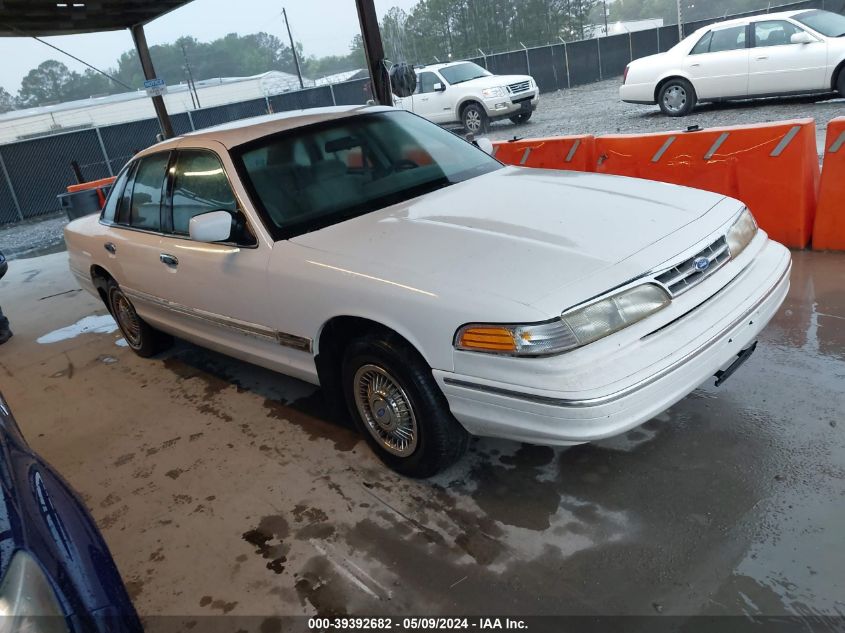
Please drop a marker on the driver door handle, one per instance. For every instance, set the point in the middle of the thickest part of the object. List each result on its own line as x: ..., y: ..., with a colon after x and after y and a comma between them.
x: 763, y: 57
x: 168, y: 260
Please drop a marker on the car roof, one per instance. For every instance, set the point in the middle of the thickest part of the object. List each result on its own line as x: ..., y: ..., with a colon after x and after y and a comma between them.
x: 245, y: 130
x: 445, y: 64
x: 752, y: 18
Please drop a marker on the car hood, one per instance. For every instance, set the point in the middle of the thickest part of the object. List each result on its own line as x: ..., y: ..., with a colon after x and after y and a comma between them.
x: 521, y: 233
x: 492, y: 82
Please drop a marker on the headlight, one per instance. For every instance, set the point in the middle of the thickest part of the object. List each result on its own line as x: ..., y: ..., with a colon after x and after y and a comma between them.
x: 573, y: 329
x: 741, y: 233
x: 492, y: 93
x: 27, y: 596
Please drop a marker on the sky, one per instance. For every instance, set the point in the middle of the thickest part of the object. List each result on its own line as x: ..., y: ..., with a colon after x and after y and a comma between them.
x: 325, y: 27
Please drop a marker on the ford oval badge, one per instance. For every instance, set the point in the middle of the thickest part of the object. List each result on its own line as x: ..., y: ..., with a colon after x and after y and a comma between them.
x: 701, y: 264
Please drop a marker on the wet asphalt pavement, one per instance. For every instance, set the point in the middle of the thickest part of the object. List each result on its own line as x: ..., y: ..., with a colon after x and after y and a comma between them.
x: 223, y: 488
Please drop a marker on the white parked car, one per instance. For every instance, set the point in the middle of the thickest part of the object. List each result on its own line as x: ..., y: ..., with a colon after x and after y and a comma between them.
x: 466, y: 93
x: 434, y: 291
x: 789, y: 53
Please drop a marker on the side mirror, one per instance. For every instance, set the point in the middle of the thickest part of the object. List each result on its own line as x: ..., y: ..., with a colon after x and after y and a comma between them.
x: 802, y: 38
x: 214, y: 226
x: 485, y: 144
x: 439, y: 87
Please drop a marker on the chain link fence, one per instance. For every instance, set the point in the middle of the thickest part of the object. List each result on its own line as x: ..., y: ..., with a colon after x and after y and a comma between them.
x: 33, y: 172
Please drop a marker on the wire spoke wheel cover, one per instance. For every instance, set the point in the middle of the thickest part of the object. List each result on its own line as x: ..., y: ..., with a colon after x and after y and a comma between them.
x: 127, y: 319
x: 386, y: 410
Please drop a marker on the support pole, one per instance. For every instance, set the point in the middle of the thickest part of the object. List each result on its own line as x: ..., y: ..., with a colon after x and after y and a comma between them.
x: 374, y: 48
x: 149, y: 73
x: 293, y: 50
x: 680, y: 21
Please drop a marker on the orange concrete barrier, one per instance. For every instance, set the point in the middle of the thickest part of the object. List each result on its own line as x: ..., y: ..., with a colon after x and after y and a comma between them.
x: 771, y: 167
x: 573, y: 153
x: 829, y: 229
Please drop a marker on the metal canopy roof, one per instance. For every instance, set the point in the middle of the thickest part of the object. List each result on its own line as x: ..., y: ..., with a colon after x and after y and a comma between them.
x: 65, y: 17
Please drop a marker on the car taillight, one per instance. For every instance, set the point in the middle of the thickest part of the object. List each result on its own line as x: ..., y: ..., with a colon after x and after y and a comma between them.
x: 625, y: 76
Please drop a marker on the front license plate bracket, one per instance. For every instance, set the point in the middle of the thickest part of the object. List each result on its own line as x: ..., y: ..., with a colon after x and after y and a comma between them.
x: 744, y: 355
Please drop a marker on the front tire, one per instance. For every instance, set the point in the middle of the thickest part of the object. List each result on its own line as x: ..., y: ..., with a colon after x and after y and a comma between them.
x: 521, y: 118
x: 475, y: 119
x: 840, y: 83
x: 392, y: 396
x: 141, y: 337
x: 677, y: 98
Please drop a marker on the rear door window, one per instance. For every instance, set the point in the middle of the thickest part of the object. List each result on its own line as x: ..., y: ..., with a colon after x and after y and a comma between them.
x: 147, y: 192
x: 731, y: 39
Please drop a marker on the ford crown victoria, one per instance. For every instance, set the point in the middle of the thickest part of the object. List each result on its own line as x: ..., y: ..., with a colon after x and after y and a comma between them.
x: 431, y: 290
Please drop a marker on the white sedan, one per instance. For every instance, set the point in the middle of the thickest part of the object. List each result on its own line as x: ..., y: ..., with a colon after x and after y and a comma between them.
x: 431, y: 290
x: 777, y: 54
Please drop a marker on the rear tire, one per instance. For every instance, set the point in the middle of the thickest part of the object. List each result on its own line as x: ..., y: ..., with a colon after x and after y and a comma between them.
x: 677, y: 98
x: 392, y: 396
x: 141, y: 337
x: 474, y: 118
x: 521, y: 118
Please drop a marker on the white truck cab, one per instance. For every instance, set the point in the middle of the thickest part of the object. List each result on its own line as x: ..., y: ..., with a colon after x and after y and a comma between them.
x: 466, y: 93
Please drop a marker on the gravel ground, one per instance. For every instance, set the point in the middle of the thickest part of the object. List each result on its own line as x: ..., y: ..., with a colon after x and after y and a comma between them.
x: 33, y: 237
x: 591, y: 109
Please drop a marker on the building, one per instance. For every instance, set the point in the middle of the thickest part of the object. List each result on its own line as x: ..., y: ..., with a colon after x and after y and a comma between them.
x: 132, y: 106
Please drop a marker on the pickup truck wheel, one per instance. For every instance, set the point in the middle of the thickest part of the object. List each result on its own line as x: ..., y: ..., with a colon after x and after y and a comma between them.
x: 521, y: 118
x: 401, y: 412
x: 677, y: 98
x: 474, y: 118
x: 144, y: 340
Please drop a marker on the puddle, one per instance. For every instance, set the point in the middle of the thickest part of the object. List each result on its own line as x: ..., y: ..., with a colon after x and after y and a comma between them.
x: 102, y: 324
x: 121, y: 342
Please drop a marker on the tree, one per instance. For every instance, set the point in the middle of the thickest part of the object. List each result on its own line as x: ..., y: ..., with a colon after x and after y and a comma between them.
x: 7, y: 101
x: 50, y: 82
x: 321, y: 66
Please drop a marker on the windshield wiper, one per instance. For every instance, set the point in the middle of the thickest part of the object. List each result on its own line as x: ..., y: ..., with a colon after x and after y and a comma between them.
x: 463, y: 80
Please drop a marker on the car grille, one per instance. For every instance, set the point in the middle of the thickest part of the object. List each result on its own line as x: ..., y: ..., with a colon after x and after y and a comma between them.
x: 686, y: 275
x: 517, y: 88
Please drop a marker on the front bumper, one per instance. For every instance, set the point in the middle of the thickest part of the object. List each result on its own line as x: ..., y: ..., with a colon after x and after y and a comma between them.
x: 503, y: 107
x: 739, y: 312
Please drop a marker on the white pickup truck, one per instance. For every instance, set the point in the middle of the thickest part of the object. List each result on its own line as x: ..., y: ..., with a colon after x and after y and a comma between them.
x: 466, y: 93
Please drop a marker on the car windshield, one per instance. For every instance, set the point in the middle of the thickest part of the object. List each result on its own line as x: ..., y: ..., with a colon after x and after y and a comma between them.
x: 824, y: 22
x: 460, y: 73
x: 311, y: 177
